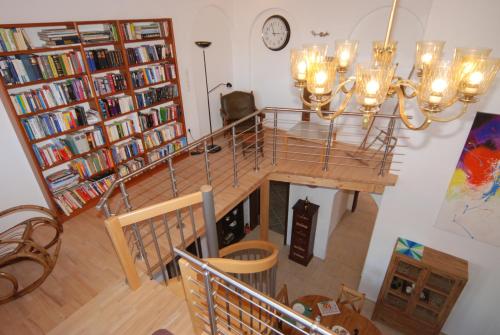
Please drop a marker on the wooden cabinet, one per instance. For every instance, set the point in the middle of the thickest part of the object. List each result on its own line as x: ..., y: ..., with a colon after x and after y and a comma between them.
x: 305, y: 216
x: 420, y: 290
x: 230, y: 228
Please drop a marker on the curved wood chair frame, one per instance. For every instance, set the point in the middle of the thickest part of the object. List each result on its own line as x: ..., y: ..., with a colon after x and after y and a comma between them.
x: 352, y: 298
x: 18, y: 244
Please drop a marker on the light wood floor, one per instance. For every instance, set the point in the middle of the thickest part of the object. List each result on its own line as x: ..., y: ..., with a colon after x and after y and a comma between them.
x: 86, y: 292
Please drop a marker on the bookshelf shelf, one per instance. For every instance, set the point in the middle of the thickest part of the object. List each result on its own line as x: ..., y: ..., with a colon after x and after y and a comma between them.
x: 70, y: 131
x: 79, y: 102
x: 170, y: 81
x: 159, y: 103
x: 164, y: 143
x: 166, y: 60
x: 46, y: 81
x: 159, y: 125
x: 73, y: 157
x: 40, y: 50
x: 123, y: 139
x: 109, y: 69
x: 90, y: 38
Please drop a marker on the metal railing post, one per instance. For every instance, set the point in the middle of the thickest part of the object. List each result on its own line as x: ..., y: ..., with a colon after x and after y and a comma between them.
x: 275, y: 134
x: 210, y: 221
x: 328, y: 146
x: 256, y: 167
x: 235, y: 164
x: 173, y: 181
x: 207, y: 163
x: 105, y: 208
x: 210, y: 303
x: 125, y: 197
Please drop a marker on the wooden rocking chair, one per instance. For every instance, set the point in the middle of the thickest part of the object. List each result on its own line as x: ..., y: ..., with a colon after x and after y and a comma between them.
x: 37, y: 240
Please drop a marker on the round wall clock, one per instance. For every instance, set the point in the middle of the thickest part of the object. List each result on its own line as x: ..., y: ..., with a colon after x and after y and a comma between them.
x: 275, y: 32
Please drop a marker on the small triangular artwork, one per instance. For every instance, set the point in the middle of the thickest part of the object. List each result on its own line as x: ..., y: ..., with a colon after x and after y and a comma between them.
x: 409, y: 248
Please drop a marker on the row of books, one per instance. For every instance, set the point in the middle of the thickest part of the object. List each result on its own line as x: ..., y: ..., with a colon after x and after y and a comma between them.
x: 111, y: 82
x: 130, y: 166
x: 156, y: 94
x: 48, y: 124
x: 99, y: 59
x: 70, y: 199
x: 63, y: 149
x: 59, y: 36
x: 94, y: 163
x: 14, y: 39
x: 152, y: 74
x: 114, y: 106
x: 120, y: 129
x: 162, y: 135
x: 167, y: 149
x: 138, y: 31
x: 62, y: 179
x: 51, y: 95
x: 108, y: 33
x: 22, y: 69
x: 127, y: 150
x: 149, y: 53
x: 156, y: 116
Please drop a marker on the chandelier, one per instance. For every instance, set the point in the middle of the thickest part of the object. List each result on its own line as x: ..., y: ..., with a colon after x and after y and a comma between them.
x: 440, y: 85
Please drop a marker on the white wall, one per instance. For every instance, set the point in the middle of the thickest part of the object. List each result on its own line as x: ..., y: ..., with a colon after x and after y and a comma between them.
x: 190, y: 22
x: 410, y: 209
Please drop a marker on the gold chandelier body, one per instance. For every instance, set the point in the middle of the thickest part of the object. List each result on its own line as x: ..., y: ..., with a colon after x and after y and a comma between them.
x: 441, y: 84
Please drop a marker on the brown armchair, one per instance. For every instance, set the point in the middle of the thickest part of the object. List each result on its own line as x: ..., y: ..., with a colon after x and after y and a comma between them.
x: 235, y: 106
x: 28, y: 251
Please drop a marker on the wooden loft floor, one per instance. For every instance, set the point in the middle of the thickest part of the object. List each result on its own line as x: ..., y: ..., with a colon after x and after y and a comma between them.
x: 86, y: 292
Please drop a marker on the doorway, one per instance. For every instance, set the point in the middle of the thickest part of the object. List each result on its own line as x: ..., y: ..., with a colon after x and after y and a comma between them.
x: 278, y: 207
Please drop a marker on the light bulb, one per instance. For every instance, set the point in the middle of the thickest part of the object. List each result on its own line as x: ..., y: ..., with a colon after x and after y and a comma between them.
x: 427, y: 58
x: 301, y: 70
x: 344, y: 58
x: 320, y: 77
x: 475, y: 78
x: 439, y: 85
x: 372, y: 87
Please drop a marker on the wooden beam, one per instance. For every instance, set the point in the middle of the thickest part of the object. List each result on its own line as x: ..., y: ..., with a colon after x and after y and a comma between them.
x: 117, y: 236
x: 264, y: 210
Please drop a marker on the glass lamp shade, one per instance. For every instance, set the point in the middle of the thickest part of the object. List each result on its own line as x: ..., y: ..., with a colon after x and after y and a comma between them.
x: 315, y: 53
x: 473, y: 71
x: 320, y: 77
x: 428, y: 53
x: 298, y: 63
x: 437, y: 89
x: 345, y: 52
x: 372, y: 83
x: 384, y: 56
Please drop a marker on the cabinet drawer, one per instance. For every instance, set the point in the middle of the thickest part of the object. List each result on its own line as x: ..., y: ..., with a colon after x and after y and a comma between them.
x: 299, y: 249
x: 300, y: 240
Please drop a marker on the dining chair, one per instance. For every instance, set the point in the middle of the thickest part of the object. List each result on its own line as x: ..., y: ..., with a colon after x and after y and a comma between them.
x: 282, y: 296
x: 351, y: 297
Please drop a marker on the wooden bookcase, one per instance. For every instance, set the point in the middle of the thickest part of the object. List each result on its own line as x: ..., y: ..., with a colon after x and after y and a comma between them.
x: 418, y: 295
x: 120, y: 44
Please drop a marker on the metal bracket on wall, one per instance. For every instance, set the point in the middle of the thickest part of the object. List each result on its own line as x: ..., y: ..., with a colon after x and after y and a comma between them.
x: 320, y: 34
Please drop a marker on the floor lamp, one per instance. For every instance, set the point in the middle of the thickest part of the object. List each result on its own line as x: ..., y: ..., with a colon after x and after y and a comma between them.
x: 212, y: 148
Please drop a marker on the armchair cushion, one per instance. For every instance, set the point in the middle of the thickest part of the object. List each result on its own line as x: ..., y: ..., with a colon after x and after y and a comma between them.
x: 236, y: 105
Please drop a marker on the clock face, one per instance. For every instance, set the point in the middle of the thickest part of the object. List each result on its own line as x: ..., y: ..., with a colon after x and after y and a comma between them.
x: 276, y: 32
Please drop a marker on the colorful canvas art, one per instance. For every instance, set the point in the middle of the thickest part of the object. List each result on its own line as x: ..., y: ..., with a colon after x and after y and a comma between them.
x: 472, y: 204
x: 409, y: 248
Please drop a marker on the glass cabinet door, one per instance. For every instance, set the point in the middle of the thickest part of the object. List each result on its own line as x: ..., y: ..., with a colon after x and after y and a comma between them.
x: 403, y: 284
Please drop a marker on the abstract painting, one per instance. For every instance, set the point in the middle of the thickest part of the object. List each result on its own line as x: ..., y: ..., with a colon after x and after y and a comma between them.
x: 409, y: 248
x: 472, y: 204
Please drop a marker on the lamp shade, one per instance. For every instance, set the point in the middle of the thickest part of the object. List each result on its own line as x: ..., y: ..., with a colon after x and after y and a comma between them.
x: 384, y: 55
x: 345, y: 52
x: 320, y: 77
x: 298, y: 64
x: 428, y: 53
x: 372, y: 83
x: 437, y: 89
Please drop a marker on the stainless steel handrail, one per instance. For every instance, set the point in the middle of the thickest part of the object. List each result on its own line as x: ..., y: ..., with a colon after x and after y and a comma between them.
x: 105, y: 197
x: 207, y: 269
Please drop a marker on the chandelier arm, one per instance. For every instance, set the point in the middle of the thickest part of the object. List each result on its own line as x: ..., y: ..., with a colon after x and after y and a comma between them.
x: 344, y: 103
x: 402, y: 111
x: 404, y: 83
x: 464, y: 109
x: 304, y: 101
x: 345, y: 90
